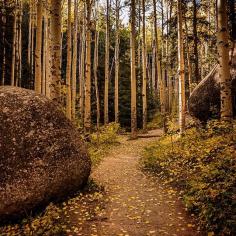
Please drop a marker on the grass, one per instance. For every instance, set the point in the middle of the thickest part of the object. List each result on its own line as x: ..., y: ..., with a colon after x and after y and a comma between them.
x: 203, y: 165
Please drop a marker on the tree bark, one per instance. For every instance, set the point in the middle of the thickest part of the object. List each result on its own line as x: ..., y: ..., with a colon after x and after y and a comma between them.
x: 87, y: 110
x: 74, y: 62
x: 68, y: 64
x: 38, y: 49
x: 117, y: 62
x: 181, y: 70
x: 224, y: 71
x: 133, y: 73
x: 144, y: 69
x: 107, y: 59
x: 55, y: 86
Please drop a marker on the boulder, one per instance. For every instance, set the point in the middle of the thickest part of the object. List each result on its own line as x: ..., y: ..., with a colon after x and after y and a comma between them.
x: 204, y: 102
x: 42, y: 157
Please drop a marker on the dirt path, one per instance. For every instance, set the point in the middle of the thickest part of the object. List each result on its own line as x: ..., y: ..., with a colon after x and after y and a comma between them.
x: 137, y: 204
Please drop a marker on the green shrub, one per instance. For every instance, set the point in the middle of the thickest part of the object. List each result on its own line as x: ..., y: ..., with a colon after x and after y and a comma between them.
x: 203, y: 164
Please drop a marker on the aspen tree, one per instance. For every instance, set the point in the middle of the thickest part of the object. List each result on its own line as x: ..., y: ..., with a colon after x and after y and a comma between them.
x: 181, y: 69
x: 117, y: 62
x: 38, y: 49
x: 55, y: 45
x: 68, y: 64
x: 74, y: 60
x: 107, y: 59
x: 133, y: 73
x: 82, y: 58
x: 188, y: 58
x: 95, y: 67
x: 144, y: 67
x: 158, y: 65
x: 4, y: 44
x: 87, y: 108
x: 29, y: 34
x: 13, y: 49
x: 195, y: 39
x: 224, y: 70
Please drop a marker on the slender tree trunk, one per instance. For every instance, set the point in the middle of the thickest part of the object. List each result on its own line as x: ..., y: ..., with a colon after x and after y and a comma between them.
x: 181, y: 70
x: 74, y: 62
x: 133, y: 73
x: 4, y: 45
x: 117, y: 62
x: 195, y: 40
x: 158, y: 66
x: 223, y: 52
x: 95, y: 66
x: 144, y: 69
x: 20, y: 45
x: 82, y: 74
x: 107, y: 59
x: 38, y: 49
x: 29, y: 34
x: 48, y: 75
x: 68, y: 64
x: 13, y: 50
x: 55, y: 44
x: 87, y: 110
x: 188, y: 59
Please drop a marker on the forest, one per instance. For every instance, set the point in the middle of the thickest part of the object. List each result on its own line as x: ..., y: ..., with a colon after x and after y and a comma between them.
x: 117, y: 117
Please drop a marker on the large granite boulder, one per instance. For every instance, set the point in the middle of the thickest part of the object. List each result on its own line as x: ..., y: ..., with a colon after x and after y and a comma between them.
x: 204, y: 102
x: 42, y: 157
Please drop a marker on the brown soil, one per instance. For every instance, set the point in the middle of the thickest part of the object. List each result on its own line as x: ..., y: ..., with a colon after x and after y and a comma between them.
x: 137, y: 204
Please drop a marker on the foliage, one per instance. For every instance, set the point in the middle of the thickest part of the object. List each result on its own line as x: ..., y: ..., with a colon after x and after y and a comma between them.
x: 57, y: 219
x: 102, y: 140
x: 203, y: 164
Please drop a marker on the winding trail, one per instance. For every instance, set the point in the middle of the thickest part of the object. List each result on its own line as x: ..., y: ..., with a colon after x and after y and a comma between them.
x: 137, y: 204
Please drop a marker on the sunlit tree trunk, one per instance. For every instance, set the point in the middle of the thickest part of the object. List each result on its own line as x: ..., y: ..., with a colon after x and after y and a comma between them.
x: 133, y: 73
x: 117, y: 62
x: 181, y: 70
x: 20, y: 44
x: 55, y: 44
x: 68, y: 64
x: 87, y: 108
x: 38, y: 49
x: 158, y: 65
x: 107, y: 59
x: 144, y: 67
x: 195, y: 40
x: 82, y: 74
x: 95, y: 67
x: 223, y: 52
x: 188, y: 58
x: 74, y: 62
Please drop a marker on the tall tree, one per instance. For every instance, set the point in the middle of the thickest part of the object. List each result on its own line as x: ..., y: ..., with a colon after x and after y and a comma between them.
x: 13, y: 58
x: 195, y: 39
x: 224, y: 70
x: 133, y: 72
x: 181, y: 69
x: 87, y: 108
x: 38, y: 48
x: 4, y: 43
x: 55, y: 44
x: 117, y: 62
x: 107, y: 59
x: 68, y: 64
x: 144, y: 67
x: 74, y: 60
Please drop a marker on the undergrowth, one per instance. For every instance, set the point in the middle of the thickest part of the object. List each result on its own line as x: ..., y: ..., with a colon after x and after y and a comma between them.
x: 101, y: 142
x: 202, y: 164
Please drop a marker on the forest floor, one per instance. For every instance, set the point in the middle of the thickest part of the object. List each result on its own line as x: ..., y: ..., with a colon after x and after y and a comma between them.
x: 132, y: 203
